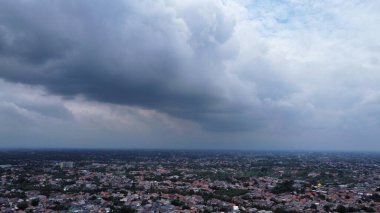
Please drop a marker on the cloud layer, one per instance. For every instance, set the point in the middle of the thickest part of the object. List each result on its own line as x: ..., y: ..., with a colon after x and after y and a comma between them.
x: 258, y: 72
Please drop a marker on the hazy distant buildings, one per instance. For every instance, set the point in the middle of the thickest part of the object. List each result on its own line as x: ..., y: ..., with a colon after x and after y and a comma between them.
x: 66, y: 164
x: 4, y: 166
x: 3, y: 180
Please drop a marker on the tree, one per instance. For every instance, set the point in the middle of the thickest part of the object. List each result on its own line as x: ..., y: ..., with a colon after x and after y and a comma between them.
x: 176, y: 202
x: 313, y: 206
x: 375, y: 197
x: 286, y: 186
x: 327, y: 207
x: 341, y: 209
x: 126, y: 209
x: 22, y: 205
x: 34, y: 202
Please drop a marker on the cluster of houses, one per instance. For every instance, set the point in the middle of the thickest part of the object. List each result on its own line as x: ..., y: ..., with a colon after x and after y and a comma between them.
x: 167, y: 186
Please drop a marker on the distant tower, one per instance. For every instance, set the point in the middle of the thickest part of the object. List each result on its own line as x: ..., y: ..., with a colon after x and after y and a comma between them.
x: 3, y: 180
x: 66, y: 164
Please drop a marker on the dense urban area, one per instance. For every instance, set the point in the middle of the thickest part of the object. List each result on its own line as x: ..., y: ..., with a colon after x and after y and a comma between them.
x: 188, y: 181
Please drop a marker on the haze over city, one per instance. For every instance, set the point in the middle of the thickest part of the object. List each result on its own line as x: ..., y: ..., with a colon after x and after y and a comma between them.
x: 190, y: 74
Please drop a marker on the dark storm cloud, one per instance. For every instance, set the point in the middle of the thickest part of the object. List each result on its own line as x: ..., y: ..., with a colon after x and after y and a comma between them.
x: 149, y: 54
x: 95, y: 70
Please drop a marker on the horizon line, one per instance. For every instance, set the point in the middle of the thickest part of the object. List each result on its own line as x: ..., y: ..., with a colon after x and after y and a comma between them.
x: 183, y: 149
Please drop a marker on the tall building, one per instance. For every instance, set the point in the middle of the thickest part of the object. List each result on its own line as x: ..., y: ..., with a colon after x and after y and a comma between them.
x: 66, y: 164
x: 3, y: 180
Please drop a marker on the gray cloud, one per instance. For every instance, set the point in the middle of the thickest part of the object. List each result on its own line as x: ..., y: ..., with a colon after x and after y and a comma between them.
x: 266, y: 70
x: 155, y: 55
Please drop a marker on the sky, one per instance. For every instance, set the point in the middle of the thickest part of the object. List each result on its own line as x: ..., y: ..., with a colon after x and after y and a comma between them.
x: 190, y: 74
